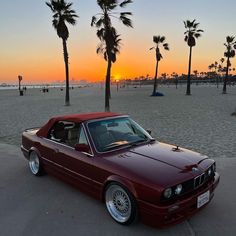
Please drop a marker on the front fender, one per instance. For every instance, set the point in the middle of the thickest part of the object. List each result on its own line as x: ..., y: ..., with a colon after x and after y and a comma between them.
x: 34, y: 149
x: 123, y: 181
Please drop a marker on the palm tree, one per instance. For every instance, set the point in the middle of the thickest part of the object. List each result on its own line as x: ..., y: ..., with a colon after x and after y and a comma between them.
x: 195, y: 72
x: 158, y: 40
x: 210, y: 67
x: 107, y: 34
x: 62, y: 14
x: 229, y: 53
x: 191, y: 34
x: 221, y: 67
x: 175, y: 77
x: 222, y: 60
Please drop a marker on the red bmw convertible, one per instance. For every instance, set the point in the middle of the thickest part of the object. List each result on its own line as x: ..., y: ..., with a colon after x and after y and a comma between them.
x: 112, y: 158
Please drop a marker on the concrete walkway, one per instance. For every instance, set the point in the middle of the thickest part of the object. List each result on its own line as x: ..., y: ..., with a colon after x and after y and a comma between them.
x: 46, y: 206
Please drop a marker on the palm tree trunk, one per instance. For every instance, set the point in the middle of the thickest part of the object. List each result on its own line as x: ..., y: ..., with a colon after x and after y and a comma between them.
x: 188, y: 91
x: 226, y: 76
x: 107, y: 89
x: 155, y: 80
x: 67, y: 98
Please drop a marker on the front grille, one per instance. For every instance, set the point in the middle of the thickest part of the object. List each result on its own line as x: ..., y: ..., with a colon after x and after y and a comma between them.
x: 199, y: 180
x: 192, y: 184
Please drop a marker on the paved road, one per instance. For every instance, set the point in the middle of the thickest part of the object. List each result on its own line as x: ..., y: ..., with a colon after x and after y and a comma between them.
x: 46, y: 206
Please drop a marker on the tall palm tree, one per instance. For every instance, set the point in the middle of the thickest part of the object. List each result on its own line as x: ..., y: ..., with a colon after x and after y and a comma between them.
x: 229, y: 53
x: 158, y: 40
x: 191, y: 34
x: 107, y: 34
x: 62, y: 14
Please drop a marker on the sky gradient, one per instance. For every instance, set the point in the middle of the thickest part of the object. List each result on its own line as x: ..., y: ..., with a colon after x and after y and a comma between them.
x: 30, y: 46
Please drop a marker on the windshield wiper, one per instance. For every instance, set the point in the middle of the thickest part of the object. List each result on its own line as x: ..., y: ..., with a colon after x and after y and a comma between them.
x: 132, y: 144
x: 115, y: 145
x: 142, y: 141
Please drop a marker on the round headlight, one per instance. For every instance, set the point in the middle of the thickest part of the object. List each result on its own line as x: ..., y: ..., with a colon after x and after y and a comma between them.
x: 209, y: 172
x: 178, y: 189
x: 167, y: 193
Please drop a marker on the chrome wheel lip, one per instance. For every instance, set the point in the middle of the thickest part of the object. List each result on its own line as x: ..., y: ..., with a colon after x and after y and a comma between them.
x: 34, y: 163
x: 118, y: 203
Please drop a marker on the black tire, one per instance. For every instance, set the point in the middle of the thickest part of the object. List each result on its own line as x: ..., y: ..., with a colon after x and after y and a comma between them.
x: 120, y: 203
x: 35, y: 164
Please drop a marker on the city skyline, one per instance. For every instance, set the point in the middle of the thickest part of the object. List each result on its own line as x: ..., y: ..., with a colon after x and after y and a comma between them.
x: 31, y: 47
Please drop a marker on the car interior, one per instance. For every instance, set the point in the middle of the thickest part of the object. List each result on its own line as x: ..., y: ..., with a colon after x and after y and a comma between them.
x: 68, y: 133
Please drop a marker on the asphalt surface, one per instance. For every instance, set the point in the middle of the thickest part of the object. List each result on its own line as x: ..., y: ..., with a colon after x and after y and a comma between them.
x: 32, y: 205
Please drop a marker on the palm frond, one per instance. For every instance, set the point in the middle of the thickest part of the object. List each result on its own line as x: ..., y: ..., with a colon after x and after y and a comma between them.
x: 126, y: 21
x: 70, y: 20
x: 162, y: 39
x: 188, y: 24
x: 100, y: 49
x: 197, y: 35
x: 229, y: 39
x: 167, y: 48
x: 55, y: 23
x: 50, y: 5
x: 156, y: 39
x: 99, y: 22
x: 111, y: 7
x: 101, y: 33
x: 126, y: 13
x: 105, y: 55
x: 195, y: 25
x: 56, y: 15
x: 124, y: 3
x: 93, y: 21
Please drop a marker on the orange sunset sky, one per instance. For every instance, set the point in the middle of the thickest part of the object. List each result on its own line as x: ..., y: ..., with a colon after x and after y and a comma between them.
x: 31, y: 48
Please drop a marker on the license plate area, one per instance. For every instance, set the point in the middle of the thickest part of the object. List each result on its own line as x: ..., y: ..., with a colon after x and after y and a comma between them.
x: 203, y: 199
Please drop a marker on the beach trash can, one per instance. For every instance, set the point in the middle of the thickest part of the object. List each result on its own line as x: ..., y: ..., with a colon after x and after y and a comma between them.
x: 21, y: 92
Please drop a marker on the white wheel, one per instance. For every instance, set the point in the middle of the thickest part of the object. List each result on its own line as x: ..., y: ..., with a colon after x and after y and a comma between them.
x: 35, y: 164
x: 120, y: 204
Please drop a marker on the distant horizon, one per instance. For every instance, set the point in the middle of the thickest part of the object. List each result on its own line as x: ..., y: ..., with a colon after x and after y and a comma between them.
x: 31, y: 47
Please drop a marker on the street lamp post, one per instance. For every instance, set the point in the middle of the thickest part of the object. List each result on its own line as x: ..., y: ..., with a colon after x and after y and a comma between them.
x: 20, y: 78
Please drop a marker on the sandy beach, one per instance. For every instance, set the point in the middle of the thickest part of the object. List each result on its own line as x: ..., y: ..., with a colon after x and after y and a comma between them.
x: 202, y: 122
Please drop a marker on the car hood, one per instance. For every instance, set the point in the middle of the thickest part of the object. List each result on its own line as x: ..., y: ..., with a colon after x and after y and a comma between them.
x: 180, y: 158
x: 157, y: 164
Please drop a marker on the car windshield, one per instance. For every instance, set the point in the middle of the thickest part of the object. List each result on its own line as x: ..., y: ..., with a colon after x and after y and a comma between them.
x: 114, y: 133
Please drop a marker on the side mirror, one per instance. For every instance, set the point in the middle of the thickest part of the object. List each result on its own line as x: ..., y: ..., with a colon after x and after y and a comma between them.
x: 82, y: 147
x: 149, y: 131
